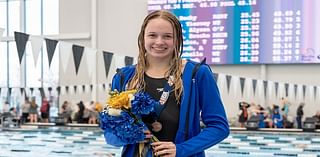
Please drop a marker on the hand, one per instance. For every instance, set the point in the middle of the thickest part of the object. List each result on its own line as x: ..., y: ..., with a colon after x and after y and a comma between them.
x: 164, y: 149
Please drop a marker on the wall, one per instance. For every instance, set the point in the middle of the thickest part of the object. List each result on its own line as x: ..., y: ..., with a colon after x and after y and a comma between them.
x: 117, y: 30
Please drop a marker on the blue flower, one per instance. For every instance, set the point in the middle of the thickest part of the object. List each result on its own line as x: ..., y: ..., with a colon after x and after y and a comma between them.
x: 127, y: 128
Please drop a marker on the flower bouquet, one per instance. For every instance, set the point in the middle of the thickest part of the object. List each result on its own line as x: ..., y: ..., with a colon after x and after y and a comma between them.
x: 121, y: 119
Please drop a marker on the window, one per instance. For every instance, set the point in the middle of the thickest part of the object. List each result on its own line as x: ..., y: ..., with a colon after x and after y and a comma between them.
x: 36, y: 18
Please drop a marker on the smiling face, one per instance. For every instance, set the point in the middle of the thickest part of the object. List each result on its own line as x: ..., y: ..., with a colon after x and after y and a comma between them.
x: 159, y: 39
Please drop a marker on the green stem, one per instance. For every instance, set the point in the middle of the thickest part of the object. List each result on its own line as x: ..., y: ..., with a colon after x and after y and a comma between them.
x: 154, y: 139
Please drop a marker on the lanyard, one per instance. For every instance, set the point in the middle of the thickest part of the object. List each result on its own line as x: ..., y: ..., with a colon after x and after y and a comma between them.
x: 164, y: 96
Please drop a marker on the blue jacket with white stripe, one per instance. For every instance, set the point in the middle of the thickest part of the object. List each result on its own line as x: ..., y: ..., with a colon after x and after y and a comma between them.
x: 203, y: 97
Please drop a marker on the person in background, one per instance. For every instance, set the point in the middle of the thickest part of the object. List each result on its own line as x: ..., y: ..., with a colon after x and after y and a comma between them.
x: 300, y: 115
x: 66, y: 112
x: 160, y: 65
x: 45, y: 110
x: 243, y: 114
x: 285, y: 107
x: 276, y: 117
x: 33, y: 111
x: 317, y: 116
x: 25, y: 110
x: 262, y: 117
x: 93, y: 114
x: 80, y: 113
x: 15, y: 115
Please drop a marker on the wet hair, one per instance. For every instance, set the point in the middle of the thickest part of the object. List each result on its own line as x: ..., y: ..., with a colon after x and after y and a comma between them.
x: 138, y: 82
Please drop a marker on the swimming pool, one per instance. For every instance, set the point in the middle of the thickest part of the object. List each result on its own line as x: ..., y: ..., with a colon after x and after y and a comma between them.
x: 57, y: 142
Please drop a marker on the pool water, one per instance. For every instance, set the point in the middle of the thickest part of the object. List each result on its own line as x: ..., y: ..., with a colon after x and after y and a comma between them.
x: 78, y: 143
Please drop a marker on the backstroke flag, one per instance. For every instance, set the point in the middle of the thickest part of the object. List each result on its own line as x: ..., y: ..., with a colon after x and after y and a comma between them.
x: 107, y: 57
x: 51, y: 47
x: 21, y: 42
x: 77, y: 55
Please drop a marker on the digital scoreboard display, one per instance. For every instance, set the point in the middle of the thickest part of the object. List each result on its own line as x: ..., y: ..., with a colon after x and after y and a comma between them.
x: 247, y: 31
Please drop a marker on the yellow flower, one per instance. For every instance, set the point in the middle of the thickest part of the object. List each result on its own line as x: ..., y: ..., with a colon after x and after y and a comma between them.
x: 120, y: 100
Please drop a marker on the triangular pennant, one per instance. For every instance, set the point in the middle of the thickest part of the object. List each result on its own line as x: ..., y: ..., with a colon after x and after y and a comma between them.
x: 304, y: 87
x: 91, y: 88
x: 51, y: 47
x: 109, y: 86
x: 83, y: 88
x: 75, y: 89
x: 276, y: 86
x: 242, y: 84
x: 67, y: 89
x: 77, y: 55
x: 21, y: 91
x: 315, y: 92
x: 36, y: 43
x: 21, y: 42
x: 254, y: 86
x: 42, y: 92
x: 104, y: 86
x: 107, y: 56
x: 65, y: 53
x: 216, y: 75
x: 31, y: 91
x: 58, y: 90
x: 228, y: 79
x: 50, y: 89
x: 295, y: 90
x: 265, y: 86
x: 128, y: 60
x: 286, y: 87
x: 9, y: 92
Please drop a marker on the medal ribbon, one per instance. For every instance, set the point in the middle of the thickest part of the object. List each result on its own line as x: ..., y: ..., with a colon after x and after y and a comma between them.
x: 164, y: 96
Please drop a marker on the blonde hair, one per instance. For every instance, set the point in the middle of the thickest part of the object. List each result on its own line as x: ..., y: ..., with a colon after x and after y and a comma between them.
x: 138, y: 82
x: 33, y: 103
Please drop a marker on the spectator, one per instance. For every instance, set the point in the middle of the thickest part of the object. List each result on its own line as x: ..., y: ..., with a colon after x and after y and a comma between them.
x: 262, y: 117
x: 317, y: 116
x: 276, y: 117
x: 14, y: 114
x: 25, y: 111
x: 300, y: 115
x: 33, y: 112
x: 45, y: 109
x: 93, y: 114
x: 243, y: 114
x: 80, y: 113
x: 285, y: 107
x: 66, y: 112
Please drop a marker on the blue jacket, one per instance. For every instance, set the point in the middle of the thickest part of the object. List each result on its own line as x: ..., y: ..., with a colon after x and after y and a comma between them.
x: 205, y: 103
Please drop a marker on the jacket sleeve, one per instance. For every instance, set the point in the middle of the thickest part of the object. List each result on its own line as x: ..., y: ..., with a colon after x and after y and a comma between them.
x: 212, y: 113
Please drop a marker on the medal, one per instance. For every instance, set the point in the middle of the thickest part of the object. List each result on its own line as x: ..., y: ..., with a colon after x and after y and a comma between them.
x: 156, y: 126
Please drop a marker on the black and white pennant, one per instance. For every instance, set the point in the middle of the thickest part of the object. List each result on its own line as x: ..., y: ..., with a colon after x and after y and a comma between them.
x: 21, y: 42
x: 77, y: 55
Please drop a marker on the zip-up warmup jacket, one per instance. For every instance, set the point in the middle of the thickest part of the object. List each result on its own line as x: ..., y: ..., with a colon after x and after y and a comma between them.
x: 201, y: 98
